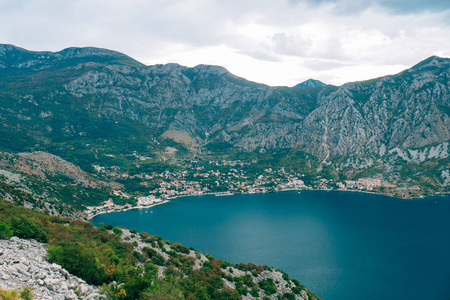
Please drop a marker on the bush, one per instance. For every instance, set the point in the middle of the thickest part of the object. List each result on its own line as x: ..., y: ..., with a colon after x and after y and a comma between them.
x: 297, y: 290
x: 155, y: 258
x: 288, y: 296
x: 5, y: 231
x: 138, y: 256
x: 26, y: 294
x: 242, y: 290
x: 251, y: 267
x: 150, y: 268
x: 164, y: 290
x: 27, y: 228
x: 180, y: 248
x: 117, y: 231
x: 135, y: 286
x: 268, y: 286
x: 285, y: 276
x: 144, y: 235
x: 107, y: 226
x: 79, y: 260
x: 254, y: 293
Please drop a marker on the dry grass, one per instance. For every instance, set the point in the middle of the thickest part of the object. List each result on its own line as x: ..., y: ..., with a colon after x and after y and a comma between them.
x: 25, y: 294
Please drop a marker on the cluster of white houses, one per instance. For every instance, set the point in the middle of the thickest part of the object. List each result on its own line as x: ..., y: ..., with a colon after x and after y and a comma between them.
x: 109, y: 206
x: 360, y: 184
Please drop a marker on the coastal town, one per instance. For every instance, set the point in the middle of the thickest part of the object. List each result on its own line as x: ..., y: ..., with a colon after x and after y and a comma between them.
x: 215, y: 178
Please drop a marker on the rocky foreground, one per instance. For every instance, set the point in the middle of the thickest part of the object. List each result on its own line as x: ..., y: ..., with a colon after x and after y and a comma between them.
x: 23, y: 264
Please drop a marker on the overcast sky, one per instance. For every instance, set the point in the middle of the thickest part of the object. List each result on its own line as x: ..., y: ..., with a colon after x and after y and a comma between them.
x: 274, y: 42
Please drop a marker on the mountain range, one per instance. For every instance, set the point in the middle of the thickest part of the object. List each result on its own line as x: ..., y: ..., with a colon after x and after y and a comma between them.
x: 83, y: 102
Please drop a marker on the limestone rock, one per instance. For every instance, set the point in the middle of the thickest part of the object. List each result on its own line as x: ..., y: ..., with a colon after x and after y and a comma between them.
x: 24, y: 265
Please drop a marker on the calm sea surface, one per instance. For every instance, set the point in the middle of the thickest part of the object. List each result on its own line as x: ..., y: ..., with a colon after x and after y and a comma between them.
x: 341, y: 245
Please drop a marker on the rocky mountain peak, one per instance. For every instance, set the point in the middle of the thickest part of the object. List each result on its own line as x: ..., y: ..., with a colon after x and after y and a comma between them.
x: 433, y: 62
x: 16, y: 57
x: 91, y: 52
x: 210, y: 70
x: 11, y: 55
x: 311, y: 83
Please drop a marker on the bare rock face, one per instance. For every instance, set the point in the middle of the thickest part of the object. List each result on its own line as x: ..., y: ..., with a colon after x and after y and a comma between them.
x: 23, y: 264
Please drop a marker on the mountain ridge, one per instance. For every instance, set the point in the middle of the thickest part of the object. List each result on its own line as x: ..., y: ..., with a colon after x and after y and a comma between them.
x: 370, y: 126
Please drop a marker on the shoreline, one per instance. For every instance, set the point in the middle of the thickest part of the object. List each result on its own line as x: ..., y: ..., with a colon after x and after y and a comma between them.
x: 126, y: 209
x: 230, y: 193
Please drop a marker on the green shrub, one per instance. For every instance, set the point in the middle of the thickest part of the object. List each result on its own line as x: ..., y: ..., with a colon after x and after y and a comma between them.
x: 27, y: 228
x: 164, y: 290
x: 242, y: 290
x: 5, y: 231
x: 297, y: 290
x: 268, y: 286
x: 154, y: 256
x: 78, y: 260
x: 288, y: 296
x: 285, y: 276
x: 180, y: 248
x: 144, y: 235
x: 137, y: 255
x: 298, y: 287
x: 254, y: 293
x: 297, y: 283
x: 150, y: 268
x: 117, y: 231
x: 26, y: 293
x: 108, y: 227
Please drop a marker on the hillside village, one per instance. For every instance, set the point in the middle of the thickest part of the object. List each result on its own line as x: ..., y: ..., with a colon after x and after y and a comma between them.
x: 217, y: 178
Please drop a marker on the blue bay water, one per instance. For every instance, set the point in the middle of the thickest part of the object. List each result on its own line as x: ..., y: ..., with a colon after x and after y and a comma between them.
x: 340, y: 245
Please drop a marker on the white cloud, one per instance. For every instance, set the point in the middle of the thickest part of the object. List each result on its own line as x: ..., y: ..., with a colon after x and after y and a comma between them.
x: 274, y: 42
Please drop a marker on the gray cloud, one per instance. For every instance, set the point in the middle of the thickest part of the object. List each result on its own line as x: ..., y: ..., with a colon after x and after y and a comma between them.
x: 261, y: 55
x: 396, y: 6
x: 323, y: 65
x: 297, y: 44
